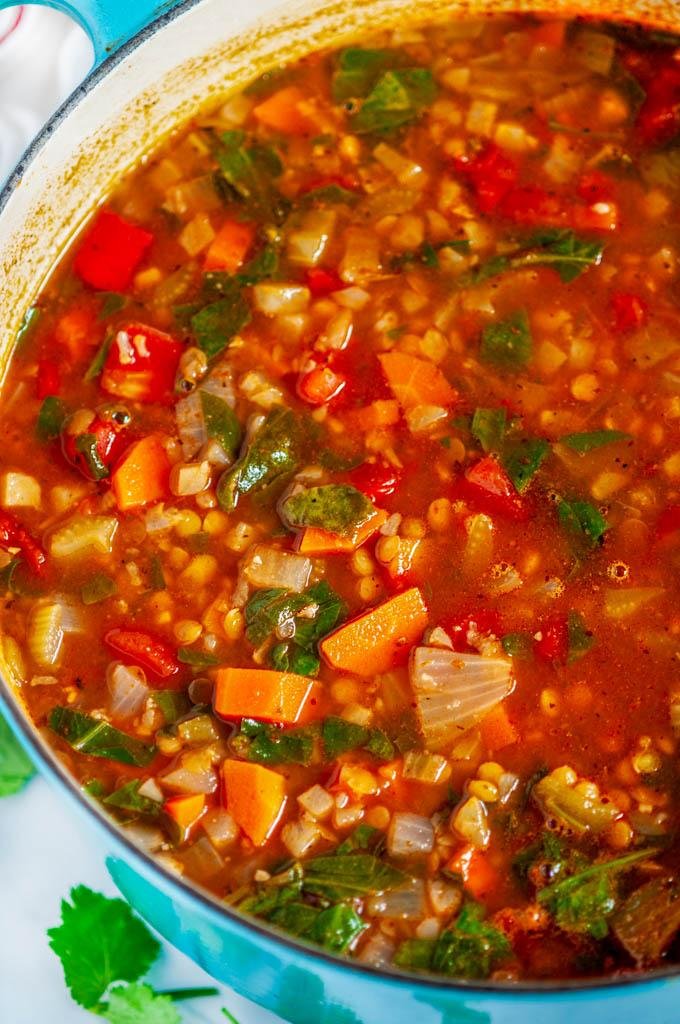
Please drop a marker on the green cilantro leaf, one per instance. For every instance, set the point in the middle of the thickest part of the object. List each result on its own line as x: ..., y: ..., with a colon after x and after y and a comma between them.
x: 583, y: 521
x: 488, y: 427
x: 100, y: 941
x: 590, y: 440
x: 359, y: 68
x: 508, y: 345
x: 247, y: 172
x: 562, y: 250
x: 267, y: 744
x: 139, y: 1004
x: 523, y: 459
x: 221, y: 422
x: 15, y: 766
x: 216, y: 324
x: 99, y: 739
x: 580, y: 639
x: 28, y: 324
x: 471, y: 948
x: 273, y: 454
x: 50, y: 419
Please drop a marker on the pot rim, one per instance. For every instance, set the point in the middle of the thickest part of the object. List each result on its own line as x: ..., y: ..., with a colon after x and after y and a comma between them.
x: 45, y: 758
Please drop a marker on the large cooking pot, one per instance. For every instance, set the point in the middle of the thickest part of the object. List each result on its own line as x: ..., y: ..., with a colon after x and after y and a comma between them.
x: 149, y: 76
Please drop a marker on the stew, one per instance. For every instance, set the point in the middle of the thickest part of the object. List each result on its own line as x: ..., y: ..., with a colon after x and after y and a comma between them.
x: 340, y: 500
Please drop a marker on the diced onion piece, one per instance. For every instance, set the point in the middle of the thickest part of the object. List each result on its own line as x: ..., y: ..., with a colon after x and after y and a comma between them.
x: 453, y: 691
x: 361, y: 260
x: 595, y: 51
x: 197, y: 234
x: 564, y: 159
x: 258, y: 389
x: 275, y: 299
x: 573, y: 804
x: 309, y: 241
x: 146, y: 837
x: 406, y: 903
x: 421, y: 766
x: 220, y: 382
x: 194, y: 774
x: 45, y: 634
x: 406, y: 171
x: 82, y: 532
x: 506, y: 785
x: 337, y: 332
x: 189, y: 477
x: 445, y: 898
x: 220, y: 827
x: 201, y: 860
x: 270, y: 567
x: 352, y: 298
x: 481, y: 117
x: 191, y: 424
x: 128, y: 688
x: 378, y: 951
x: 478, y: 550
x: 151, y: 790
x: 316, y: 801
x: 423, y: 418
x: 409, y: 835
x: 514, y: 137
x: 19, y: 490
x: 470, y: 820
x: 299, y: 837
x: 622, y: 603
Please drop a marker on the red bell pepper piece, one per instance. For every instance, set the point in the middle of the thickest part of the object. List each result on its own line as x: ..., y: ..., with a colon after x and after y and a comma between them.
x: 490, y: 487
x: 375, y: 480
x: 629, y: 311
x: 14, y: 535
x: 147, y: 650
x: 110, y: 252
x: 48, y: 380
x: 322, y: 282
x: 669, y: 522
x: 532, y: 205
x: 96, y: 449
x: 141, y: 364
x: 658, y: 119
x: 554, y: 642
x: 491, y: 174
x: 319, y: 385
x: 341, y: 180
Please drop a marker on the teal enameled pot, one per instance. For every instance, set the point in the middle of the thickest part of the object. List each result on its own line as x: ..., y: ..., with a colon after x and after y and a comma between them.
x: 155, y: 63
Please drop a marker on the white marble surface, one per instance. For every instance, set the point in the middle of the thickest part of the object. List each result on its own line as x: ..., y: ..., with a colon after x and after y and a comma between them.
x: 44, y: 849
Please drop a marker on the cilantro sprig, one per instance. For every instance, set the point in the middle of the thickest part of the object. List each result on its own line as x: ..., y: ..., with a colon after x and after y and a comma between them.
x: 15, y: 767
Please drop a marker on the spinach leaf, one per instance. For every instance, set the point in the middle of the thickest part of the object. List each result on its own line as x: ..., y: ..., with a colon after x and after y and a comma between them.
x: 215, y: 325
x: 508, y: 345
x: 98, y: 588
x: 562, y: 250
x: 88, y: 447
x: 262, y: 266
x: 364, y: 837
x: 221, y: 422
x: 590, y: 440
x: 336, y: 878
x: 99, y: 739
x: 336, y: 928
x: 583, y: 902
x: 337, y: 508
x: 267, y: 744
x: 247, y: 170
x: 397, y: 98
x: 273, y: 454
x: 51, y: 417
x: 97, y: 364
x: 28, y: 324
x: 580, y: 639
x: 339, y: 736
x: 469, y: 949
x: 488, y: 427
x: 127, y: 798
x: 583, y: 521
x: 517, y: 645
x: 112, y: 302
x: 172, y: 704
x: 428, y: 254
x: 358, y: 69
x: 523, y: 459
x: 15, y: 766
x: 197, y: 659
x: 268, y: 610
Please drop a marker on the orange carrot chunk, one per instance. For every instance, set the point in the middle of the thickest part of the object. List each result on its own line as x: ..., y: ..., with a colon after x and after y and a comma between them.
x: 141, y: 475
x: 416, y: 381
x: 185, y: 812
x: 377, y: 639
x: 229, y: 247
x: 281, y: 111
x: 264, y: 694
x: 315, y: 541
x: 497, y: 729
x: 255, y: 797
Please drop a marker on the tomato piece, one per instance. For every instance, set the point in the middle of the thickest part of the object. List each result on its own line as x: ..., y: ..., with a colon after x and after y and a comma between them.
x: 319, y: 385
x: 14, y: 534
x: 491, y: 173
x: 554, y: 642
x: 532, y: 205
x: 110, y: 252
x: 322, y: 282
x: 658, y: 120
x: 48, y: 381
x: 595, y: 187
x: 376, y: 480
x: 629, y: 311
x: 94, y: 450
x: 141, y: 364
x: 669, y: 521
x: 147, y: 650
x: 485, y: 621
x: 489, y: 486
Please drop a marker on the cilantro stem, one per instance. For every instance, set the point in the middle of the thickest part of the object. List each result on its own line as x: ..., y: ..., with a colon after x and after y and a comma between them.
x: 567, y: 884
x: 229, y: 1016
x: 178, y: 994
